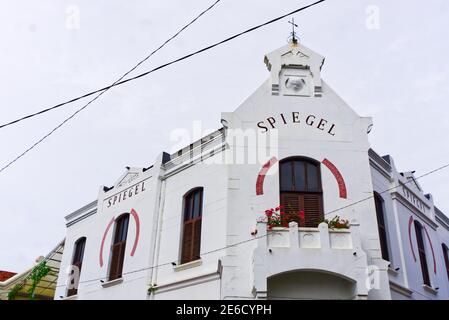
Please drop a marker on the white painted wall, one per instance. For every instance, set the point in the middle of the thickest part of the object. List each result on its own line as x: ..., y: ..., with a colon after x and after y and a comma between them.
x: 399, y: 209
x: 135, y: 274
x: 213, y: 179
x: 231, y: 206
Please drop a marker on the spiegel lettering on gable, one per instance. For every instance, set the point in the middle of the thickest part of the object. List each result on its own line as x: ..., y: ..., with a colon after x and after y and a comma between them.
x: 125, y: 194
x: 296, y: 118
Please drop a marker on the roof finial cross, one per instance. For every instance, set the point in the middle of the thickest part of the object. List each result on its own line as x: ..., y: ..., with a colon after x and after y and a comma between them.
x: 293, y: 34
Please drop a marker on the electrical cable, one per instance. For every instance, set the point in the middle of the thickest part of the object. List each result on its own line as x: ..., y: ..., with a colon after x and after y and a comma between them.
x: 260, y: 237
x: 100, y: 92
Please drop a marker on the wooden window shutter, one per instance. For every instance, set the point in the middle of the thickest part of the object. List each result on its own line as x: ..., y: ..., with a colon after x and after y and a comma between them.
x: 191, y: 236
x: 187, y: 241
x: 73, y: 291
x: 291, y: 202
x: 306, y: 192
x: 191, y: 242
x: 422, y: 253
x: 113, y: 268
x: 196, y: 245
x: 118, y: 255
x: 313, y: 209
x: 311, y: 204
x: 118, y: 248
x: 77, y: 261
x: 382, y: 228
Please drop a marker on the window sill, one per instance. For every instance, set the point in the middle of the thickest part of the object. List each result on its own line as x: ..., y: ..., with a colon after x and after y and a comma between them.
x: 73, y: 297
x: 430, y: 289
x: 188, y: 265
x: 112, y: 283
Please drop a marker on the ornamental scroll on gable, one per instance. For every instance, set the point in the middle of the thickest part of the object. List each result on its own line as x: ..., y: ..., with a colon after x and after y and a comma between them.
x: 295, y: 71
x: 128, y: 177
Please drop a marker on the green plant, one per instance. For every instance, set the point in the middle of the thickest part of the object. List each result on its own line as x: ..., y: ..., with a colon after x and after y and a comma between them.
x: 337, y: 223
x: 14, y: 291
x: 277, y: 217
x: 36, y: 275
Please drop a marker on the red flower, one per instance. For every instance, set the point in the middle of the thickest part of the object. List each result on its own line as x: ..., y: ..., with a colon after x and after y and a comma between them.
x: 301, y: 214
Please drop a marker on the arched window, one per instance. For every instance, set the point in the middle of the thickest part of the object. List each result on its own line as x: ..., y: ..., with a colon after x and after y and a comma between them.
x: 77, y: 262
x: 118, y: 247
x: 300, y: 189
x: 380, y: 213
x: 191, y: 235
x: 422, y: 252
x: 446, y: 258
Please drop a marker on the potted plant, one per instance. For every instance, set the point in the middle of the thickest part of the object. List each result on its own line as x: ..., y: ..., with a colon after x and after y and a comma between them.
x: 277, y: 217
x: 337, y: 223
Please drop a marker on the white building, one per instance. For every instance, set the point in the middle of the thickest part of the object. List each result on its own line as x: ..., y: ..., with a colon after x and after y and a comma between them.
x: 190, y: 226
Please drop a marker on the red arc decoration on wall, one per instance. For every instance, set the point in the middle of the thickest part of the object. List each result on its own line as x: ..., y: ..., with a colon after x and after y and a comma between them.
x: 134, y: 214
x: 410, y: 222
x: 136, y: 239
x: 338, y: 176
x: 262, y: 174
x: 103, y: 239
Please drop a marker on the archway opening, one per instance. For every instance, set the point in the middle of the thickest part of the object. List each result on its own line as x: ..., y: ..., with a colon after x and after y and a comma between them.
x: 310, y: 285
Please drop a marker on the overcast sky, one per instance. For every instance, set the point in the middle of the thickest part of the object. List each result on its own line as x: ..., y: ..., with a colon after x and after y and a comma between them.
x: 393, y: 68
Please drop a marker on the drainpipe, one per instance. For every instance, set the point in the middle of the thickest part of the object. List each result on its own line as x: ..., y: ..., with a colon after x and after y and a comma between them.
x: 157, y: 229
x: 400, y: 243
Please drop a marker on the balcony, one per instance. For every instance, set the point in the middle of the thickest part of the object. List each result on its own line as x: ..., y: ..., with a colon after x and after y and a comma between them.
x: 309, y: 238
x: 332, y: 258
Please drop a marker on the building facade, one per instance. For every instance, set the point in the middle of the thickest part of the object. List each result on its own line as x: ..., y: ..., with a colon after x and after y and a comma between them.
x: 195, y: 224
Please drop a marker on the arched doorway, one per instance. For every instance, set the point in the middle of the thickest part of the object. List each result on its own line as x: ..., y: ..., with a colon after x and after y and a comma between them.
x: 310, y: 285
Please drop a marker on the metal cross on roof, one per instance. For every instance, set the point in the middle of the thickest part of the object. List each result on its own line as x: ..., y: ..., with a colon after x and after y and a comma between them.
x: 293, y: 34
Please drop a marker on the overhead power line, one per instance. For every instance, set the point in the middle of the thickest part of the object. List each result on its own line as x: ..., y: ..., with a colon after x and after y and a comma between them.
x: 260, y: 237
x: 120, y: 82
x: 100, y: 92
x: 116, y: 82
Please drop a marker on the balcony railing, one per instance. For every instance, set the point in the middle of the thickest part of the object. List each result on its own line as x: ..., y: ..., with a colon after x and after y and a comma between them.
x: 311, y: 238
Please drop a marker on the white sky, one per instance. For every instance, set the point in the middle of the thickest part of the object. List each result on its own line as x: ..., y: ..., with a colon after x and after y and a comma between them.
x: 397, y: 74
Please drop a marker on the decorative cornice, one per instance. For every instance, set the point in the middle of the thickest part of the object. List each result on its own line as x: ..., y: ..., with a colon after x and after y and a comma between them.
x: 84, y: 216
x: 404, y: 183
x: 187, y: 164
x: 81, y: 213
x: 376, y: 158
x: 81, y: 210
x: 399, y: 197
x: 379, y: 169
